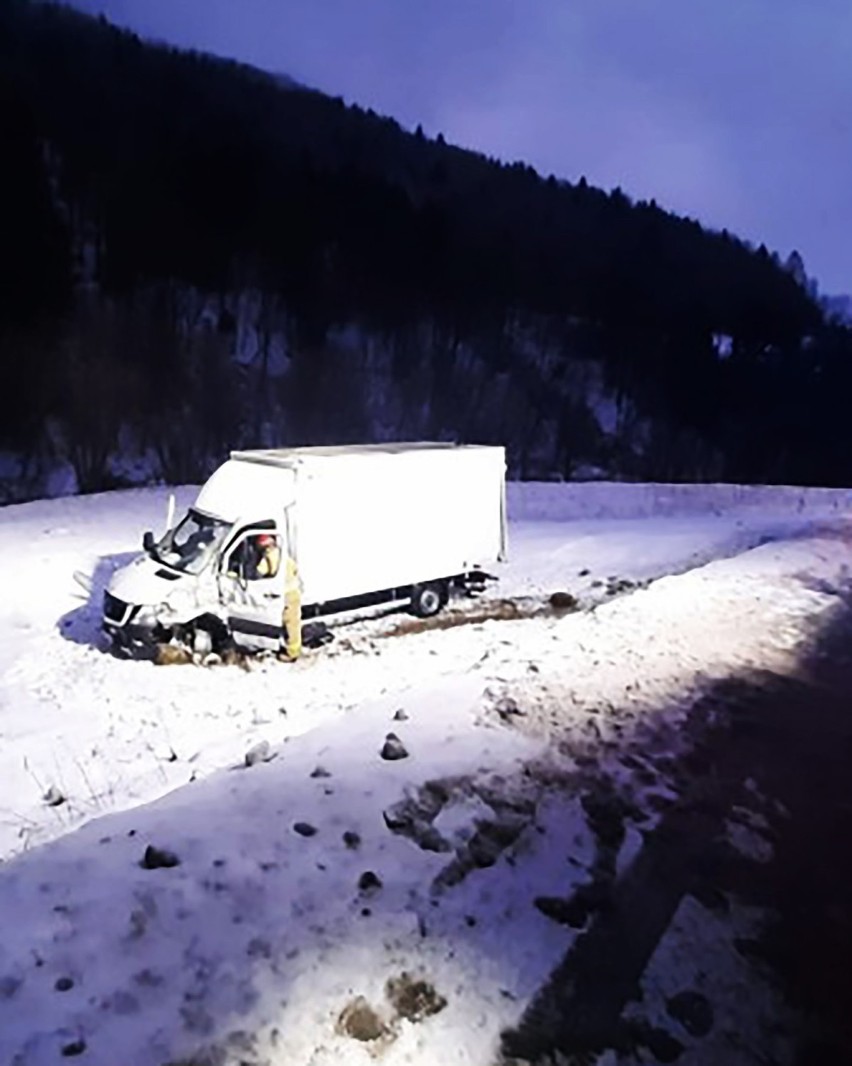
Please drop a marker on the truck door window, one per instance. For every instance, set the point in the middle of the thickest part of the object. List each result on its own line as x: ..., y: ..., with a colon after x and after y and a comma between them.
x: 256, y: 557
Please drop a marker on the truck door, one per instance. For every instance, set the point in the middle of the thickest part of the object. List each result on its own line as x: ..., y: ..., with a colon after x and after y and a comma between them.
x: 251, y: 585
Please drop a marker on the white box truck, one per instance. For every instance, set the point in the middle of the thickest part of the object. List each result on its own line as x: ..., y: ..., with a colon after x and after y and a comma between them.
x: 316, y: 532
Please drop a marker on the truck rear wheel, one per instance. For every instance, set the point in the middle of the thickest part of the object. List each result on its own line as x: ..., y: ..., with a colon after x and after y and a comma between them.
x: 427, y: 600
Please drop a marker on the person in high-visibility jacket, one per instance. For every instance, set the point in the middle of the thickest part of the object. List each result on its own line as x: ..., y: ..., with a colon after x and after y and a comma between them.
x: 292, y: 610
x: 268, y: 558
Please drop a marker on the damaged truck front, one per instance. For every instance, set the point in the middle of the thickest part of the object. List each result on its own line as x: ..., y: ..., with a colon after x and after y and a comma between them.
x: 280, y: 537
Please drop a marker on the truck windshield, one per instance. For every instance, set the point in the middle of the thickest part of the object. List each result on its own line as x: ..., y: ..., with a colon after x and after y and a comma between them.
x: 193, y: 543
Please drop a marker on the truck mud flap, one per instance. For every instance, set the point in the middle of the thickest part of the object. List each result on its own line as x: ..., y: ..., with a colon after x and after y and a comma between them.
x: 316, y: 635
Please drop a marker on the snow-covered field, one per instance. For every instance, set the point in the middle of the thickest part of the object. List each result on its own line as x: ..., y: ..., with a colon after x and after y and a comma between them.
x: 325, y: 894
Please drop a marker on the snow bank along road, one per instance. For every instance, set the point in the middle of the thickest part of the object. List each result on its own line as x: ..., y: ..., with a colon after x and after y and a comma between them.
x: 344, y: 895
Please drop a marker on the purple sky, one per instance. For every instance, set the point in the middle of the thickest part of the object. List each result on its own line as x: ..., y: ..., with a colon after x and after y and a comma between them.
x: 736, y: 112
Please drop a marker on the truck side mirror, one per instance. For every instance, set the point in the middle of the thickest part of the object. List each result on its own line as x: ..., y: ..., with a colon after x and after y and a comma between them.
x: 148, y: 541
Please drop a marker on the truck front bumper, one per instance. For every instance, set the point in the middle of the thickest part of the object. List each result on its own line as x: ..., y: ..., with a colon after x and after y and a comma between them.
x: 126, y: 636
x: 130, y: 641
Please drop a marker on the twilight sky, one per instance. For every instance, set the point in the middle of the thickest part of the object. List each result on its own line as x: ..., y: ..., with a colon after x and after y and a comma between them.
x: 735, y: 112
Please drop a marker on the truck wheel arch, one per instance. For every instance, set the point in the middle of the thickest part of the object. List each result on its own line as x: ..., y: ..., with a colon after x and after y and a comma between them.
x: 220, y: 634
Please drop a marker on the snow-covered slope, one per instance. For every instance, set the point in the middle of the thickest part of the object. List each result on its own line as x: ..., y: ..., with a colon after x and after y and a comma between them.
x: 107, y: 733
x: 326, y: 892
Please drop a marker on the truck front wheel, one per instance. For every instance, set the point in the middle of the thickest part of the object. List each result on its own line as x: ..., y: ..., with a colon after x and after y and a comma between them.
x: 208, y: 634
x: 427, y: 600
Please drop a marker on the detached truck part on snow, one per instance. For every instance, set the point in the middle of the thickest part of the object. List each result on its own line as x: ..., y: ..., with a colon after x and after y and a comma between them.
x: 282, y: 536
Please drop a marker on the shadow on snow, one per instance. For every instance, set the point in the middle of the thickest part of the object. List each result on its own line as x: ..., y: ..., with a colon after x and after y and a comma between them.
x: 82, y: 625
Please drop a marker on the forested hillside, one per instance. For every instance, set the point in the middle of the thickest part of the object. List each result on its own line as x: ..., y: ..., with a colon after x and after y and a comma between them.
x: 198, y: 256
